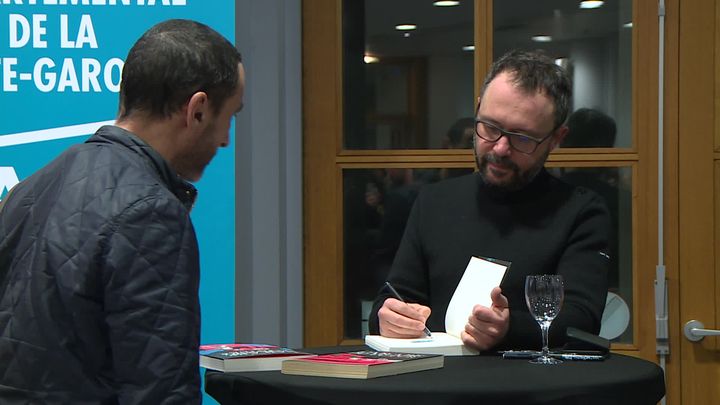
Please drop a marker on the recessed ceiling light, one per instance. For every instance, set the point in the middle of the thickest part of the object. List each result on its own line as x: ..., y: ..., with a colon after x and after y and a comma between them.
x: 405, y: 27
x: 446, y: 3
x: 542, y: 38
x: 628, y: 24
x: 371, y: 59
x: 468, y: 48
x: 591, y: 3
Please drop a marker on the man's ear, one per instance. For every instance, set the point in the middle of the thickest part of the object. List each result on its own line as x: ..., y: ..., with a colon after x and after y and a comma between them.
x: 559, y: 136
x: 198, y: 108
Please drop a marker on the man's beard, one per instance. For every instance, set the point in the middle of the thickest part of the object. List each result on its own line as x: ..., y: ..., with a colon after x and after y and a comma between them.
x: 517, y: 180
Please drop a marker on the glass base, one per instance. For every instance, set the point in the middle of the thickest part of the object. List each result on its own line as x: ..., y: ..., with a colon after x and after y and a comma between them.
x: 545, y: 360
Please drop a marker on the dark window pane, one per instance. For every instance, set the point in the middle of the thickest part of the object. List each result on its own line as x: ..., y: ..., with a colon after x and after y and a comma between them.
x: 614, y: 184
x: 377, y: 203
x: 376, y: 206
x: 588, y: 127
x: 405, y: 89
x: 594, y: 45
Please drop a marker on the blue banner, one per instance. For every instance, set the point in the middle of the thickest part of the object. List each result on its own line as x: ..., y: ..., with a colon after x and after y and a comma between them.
x: 60, y: 66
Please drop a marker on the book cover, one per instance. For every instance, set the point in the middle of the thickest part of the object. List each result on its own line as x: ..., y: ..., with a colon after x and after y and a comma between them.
x: 246, y: 356
x: 362, y: 364
x: 480, y: 277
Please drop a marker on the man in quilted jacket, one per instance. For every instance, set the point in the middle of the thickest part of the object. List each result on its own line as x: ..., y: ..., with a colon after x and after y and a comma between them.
x: 99, y: 265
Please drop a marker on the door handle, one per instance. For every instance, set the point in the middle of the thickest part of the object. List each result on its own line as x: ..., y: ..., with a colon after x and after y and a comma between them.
x: 694, y: 331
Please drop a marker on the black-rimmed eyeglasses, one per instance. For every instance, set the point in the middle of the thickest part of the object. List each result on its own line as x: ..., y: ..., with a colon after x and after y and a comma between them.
x: 520, y: 142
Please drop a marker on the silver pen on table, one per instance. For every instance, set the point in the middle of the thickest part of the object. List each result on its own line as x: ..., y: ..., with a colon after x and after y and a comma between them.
x: 400, y: 298
x: 530, y: 354
x: 577, y: 356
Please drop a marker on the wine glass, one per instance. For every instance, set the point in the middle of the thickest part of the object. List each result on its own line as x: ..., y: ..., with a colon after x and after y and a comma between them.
x: 544, y: 297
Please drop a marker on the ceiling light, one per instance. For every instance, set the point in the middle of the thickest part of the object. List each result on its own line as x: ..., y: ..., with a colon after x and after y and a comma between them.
x: 468, y: 48
x: 405, y: 27
x: 628, y: 25
x: 446, y: 3
x: 591, y: 3
x: 371, y: 59
x: 542, y: 38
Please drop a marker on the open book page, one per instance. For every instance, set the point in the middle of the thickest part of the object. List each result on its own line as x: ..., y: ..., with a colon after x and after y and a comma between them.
x: 479, y: 279
x: 438, y: 343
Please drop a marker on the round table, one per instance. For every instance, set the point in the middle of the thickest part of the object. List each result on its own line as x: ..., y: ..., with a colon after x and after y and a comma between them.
x: 463, y: 380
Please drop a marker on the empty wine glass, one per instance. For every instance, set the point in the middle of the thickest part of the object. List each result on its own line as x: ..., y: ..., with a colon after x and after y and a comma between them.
x: 544, y: 296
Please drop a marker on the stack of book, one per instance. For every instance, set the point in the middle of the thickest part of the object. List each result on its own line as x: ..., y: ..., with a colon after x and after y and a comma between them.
x: 246, y: 357
x: 362, y: 364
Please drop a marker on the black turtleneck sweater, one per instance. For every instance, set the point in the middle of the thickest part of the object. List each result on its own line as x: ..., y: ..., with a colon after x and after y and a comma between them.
x: 549, y: 227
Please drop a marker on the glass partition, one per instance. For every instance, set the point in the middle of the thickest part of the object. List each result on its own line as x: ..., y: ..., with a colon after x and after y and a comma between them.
x: 376, y: 205
x: 407, y: 72
x: 614, y: 184
x: 408, y: 83
x: 377, y: 202
x: 593, y: 44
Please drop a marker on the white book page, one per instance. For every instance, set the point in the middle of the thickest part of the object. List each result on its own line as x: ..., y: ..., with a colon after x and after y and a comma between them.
x: 439, y: 343
x: 480, y: 277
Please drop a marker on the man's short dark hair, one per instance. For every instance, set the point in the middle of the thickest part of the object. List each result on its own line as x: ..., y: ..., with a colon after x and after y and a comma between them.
x: 588, y: 127
x: 534, y: 71
x: 173, y: 60
x: 456, y: 133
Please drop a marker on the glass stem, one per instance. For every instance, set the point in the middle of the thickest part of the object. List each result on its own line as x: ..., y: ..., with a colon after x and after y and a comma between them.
x: 545, y: 327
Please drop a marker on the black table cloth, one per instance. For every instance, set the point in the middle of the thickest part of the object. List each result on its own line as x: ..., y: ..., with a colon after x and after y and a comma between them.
x: 464, y: 380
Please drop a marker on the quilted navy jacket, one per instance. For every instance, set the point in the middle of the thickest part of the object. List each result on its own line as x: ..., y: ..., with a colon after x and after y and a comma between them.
x: 99, y: 277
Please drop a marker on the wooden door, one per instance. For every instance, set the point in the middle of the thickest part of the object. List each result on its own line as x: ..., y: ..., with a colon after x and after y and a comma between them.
x: 695, y: 374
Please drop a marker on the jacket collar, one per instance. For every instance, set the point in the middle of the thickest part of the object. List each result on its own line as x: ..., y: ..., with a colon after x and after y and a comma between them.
x: 183, y: 190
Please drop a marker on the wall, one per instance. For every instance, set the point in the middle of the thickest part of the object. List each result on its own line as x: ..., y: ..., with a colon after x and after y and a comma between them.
x: 268, y: 303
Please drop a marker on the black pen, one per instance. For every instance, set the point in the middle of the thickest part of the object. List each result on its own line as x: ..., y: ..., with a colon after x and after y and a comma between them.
x: 395, y: 293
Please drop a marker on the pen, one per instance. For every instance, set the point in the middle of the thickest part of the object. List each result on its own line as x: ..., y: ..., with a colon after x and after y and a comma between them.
x: 531, y: 354
x: 576, y: 356
x: 395, y: 293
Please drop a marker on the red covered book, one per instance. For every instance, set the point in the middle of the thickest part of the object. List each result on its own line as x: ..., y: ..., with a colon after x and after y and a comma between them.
x: 362, y: 364
x: 246, y: 356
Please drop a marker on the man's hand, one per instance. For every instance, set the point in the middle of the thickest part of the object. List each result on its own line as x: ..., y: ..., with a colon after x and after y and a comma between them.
x: 401, y: 320
x: 486, y: 327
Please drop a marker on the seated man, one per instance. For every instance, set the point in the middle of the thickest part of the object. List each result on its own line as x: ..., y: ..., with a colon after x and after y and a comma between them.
x: 511, y: 209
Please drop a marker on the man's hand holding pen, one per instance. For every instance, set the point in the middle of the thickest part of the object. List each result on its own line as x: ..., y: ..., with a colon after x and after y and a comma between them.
x: 402, y: 320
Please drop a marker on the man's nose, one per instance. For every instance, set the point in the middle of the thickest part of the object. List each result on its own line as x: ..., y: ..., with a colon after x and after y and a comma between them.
x: 502, y: 146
